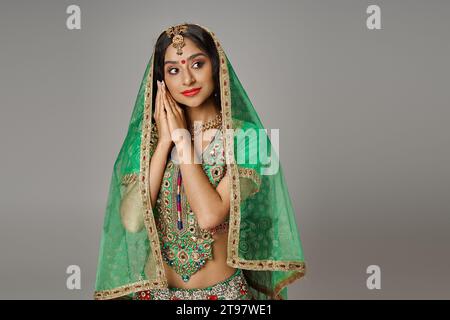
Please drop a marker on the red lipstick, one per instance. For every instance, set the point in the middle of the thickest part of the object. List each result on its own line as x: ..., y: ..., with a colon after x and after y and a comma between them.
x: 191, y: 92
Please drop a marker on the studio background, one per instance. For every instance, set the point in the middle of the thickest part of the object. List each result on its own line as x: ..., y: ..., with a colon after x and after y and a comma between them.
x: 363, y: 118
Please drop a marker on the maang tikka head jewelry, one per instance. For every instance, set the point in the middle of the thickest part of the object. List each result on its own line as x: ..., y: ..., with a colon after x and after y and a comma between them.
x: 175, y: 33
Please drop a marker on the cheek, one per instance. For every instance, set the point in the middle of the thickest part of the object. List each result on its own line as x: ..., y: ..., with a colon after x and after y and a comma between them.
x: 208, y: 83
x: 171, y: 85
x: 206, y: 74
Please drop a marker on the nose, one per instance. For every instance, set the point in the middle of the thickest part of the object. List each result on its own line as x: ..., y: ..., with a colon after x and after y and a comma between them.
x: 188, y: 79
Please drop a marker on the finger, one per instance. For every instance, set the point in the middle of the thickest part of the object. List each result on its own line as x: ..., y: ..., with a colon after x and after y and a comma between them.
x: 167, y: 105
x: 172, y: 104
x: 175, y: 105
x: 161, y: 111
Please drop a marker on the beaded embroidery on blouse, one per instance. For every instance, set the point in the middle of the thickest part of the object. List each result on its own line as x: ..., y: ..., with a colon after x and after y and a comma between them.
x: 188, y: 249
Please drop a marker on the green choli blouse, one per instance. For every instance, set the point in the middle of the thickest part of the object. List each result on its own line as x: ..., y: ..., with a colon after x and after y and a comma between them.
x: 188, y: 249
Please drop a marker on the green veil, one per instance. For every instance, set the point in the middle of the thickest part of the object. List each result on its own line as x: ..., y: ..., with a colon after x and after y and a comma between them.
x: 263, y: 238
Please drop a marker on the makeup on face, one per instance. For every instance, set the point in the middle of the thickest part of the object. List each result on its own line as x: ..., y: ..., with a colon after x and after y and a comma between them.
x: 199, y: 63
x: 183, y: 61
x: 187, y: 73
x: 191, y: 92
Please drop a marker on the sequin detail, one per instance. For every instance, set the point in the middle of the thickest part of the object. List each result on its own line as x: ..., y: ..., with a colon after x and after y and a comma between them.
x: 233, y: 288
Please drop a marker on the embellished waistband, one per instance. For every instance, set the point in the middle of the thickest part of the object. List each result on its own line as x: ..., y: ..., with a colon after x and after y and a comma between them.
x: 233, y: 288
x: 223, y: 282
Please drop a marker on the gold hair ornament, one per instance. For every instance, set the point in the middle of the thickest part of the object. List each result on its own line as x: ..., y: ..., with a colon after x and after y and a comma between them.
x: 175, y: 33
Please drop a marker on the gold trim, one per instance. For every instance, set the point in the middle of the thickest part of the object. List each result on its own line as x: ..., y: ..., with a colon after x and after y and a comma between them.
x: 124, y: 290
x: 128, y: 178
x: 251, y: 174
x: 153, y: 138
x: 275, y: 294
x: 145, y: 285
x: 161, y: 280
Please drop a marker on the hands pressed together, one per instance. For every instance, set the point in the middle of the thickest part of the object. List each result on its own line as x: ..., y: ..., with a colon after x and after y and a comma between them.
x: 168, y: 116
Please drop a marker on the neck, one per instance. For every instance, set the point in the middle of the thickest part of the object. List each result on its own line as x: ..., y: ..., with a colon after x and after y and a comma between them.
x: 206, y: 111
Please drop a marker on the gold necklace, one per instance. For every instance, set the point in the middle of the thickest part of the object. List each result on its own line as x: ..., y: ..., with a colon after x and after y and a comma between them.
x: 215, y: 123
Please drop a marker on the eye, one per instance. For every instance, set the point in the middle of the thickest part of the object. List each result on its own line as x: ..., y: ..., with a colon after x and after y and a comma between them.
x: 200, y: 64
x: 170, y: 70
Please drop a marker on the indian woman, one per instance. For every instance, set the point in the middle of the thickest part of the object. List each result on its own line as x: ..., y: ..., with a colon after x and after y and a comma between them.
x: 198, y: 207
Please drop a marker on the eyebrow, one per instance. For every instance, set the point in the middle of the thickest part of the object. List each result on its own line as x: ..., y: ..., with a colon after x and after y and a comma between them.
x: 190, y: 58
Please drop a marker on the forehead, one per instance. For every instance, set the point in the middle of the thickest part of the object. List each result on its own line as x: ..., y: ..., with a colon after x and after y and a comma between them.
x: 189, y: 48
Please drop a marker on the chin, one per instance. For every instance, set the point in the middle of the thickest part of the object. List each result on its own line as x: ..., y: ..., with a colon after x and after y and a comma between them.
x: 193, y: 102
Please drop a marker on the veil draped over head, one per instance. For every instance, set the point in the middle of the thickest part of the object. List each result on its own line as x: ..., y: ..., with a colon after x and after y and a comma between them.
x: 263, y: 238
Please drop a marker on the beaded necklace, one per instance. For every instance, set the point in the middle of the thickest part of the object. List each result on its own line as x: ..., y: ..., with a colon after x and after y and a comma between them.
x: 210, y: 124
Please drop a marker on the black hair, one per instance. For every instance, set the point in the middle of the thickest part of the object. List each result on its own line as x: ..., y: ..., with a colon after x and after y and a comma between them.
x: 203, y: 40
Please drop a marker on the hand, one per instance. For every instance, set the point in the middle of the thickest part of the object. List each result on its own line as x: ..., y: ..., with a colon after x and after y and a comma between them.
x: 175, y: 115
x: 160, y: 116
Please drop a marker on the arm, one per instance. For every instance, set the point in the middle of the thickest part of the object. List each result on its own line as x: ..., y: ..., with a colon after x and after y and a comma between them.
x: 131, y: 205
x: 210, y: 205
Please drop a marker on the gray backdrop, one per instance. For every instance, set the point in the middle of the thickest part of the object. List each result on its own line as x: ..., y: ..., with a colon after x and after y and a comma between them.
x: 363, y: 127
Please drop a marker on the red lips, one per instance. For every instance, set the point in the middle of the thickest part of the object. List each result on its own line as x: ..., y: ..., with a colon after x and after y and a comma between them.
x: 191, y: 91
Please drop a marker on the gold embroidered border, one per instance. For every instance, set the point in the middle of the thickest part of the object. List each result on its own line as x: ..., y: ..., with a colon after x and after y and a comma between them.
x: 275, y: 294
x: 126, y: 289
x: 153, y: 138
x: 146, y: 140
x: 253, y: 176
x: 250, y: 173
x: 128, y: 178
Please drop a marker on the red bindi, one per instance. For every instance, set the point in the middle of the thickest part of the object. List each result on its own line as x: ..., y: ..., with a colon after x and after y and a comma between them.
x: 183, y: 61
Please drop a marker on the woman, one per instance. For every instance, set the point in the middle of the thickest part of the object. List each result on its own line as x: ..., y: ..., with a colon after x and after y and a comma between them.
x: 190, y: 217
